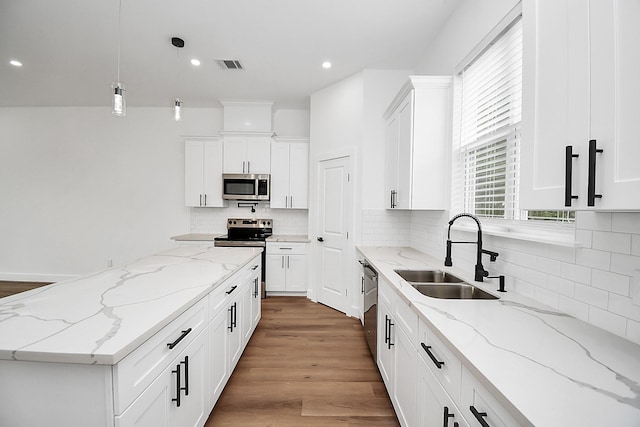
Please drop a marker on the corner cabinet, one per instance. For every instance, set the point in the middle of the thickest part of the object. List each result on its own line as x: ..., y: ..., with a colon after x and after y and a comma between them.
x: 417, y: 145
x: 579, y: 86
x: 247, y: 153
x: 289, y: 173
x: 203, y: 173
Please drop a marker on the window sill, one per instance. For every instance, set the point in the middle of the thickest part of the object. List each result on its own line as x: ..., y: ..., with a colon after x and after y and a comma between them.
x: 539, y: 233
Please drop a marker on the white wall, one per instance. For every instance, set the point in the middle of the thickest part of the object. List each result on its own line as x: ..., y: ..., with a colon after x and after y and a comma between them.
x: 291, y: 122
x: 80, y: 186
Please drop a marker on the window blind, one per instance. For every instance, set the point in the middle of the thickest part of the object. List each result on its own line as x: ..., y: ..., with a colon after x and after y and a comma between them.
x: 487, y: 141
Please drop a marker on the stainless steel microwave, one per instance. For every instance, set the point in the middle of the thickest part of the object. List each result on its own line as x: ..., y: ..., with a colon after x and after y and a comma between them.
x: 239, y: 186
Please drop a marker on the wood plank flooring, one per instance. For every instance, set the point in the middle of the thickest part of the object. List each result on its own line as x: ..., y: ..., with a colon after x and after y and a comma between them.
x: 306, y: 365
x: 10, y: 288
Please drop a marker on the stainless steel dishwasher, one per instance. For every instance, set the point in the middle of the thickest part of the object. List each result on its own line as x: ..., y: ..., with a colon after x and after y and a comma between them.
x: 370, y: 305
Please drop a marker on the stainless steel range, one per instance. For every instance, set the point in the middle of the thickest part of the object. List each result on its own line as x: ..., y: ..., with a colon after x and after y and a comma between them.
x: 249, y: 232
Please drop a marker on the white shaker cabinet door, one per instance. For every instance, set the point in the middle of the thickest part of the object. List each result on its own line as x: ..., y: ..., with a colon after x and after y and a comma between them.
x: 298, y: 175
x: 279, y: 175
x: 555, y: 95
x: 615, y: 90
x: 259, y: 155
x: 296, y: 266
x: 435, y: 407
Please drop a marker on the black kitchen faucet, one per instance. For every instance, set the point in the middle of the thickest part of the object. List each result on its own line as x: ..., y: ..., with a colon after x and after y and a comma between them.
x: 480, y: 272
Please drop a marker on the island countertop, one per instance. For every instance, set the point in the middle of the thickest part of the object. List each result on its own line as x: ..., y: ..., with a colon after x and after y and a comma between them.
x: 102, y: 317
x: 553, y: 369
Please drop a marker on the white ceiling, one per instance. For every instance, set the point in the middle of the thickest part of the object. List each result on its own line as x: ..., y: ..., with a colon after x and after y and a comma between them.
x: 69, y: 48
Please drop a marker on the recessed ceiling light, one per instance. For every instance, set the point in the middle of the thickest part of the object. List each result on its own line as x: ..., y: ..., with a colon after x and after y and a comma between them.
x: 326, y: 65
x: 15, y: 63
x: 195, y: 62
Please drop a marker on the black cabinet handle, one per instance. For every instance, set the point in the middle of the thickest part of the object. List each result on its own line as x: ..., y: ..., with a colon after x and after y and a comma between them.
x: 255, y: 267
x: 568, y: 172
x: 479, y: 416
x: 255, y: 287
x: 234, y: 316
x: 185, y: 362
x: 320, y: 239
x: 233, y: 288
x: 362, y: 285
x: 446, y: 417
x: 180, y: 338
x: 201, y: 200
x: 177, y: 398
x: 388, y: 326
x: 591, y: 187
x: 427, y: 348
x: 230, y: 327
x: 205, y: 200
x: 394, y: 195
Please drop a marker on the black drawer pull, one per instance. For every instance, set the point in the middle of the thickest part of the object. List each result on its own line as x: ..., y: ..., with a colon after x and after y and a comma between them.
x: 479, y: 416
x: 427, y: 348
x: 177, y: 398
x: 568, y: 172
x: 446, y: 417
x: 255, y: 266
x: 233, y: 288
x: 180, y: 338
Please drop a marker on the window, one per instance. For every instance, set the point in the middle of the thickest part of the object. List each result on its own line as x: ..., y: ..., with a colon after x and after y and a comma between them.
x: 488, y: 94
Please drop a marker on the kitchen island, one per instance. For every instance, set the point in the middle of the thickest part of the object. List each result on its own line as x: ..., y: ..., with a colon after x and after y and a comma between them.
x: 544, y: 367
x: 83, y: 338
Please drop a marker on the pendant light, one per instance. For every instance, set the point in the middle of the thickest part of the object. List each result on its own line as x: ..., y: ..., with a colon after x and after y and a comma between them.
x: 177, y: 104
x: 117, y: 88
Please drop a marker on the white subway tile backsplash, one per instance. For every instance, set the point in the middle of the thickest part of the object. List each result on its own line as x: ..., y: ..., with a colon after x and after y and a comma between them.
x: 623, y: 306
x: 593, y: 258
x: 594, y: 282
x: 625, y: 222
x: 612, y: 242
x: 612, y: 282
x: 592, y: 296
x: 608, y: 321
x: 577, y: 273
x: 624, y: 264
x: 600, y: 221
x: 633, y: 331
x: 573, y: 307
x: 561, y: 286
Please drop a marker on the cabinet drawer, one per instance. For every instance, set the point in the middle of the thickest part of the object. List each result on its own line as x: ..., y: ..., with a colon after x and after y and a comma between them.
x: 286, y: 248
x: 385, y: 292
x: 406, y: 318
x: 476, y: 396
x: 137, y: 371
x: 221, y: 296
x: 442, y: 362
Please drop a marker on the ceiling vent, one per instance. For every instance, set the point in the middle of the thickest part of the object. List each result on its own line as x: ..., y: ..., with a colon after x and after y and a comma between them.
x: 229, y: 64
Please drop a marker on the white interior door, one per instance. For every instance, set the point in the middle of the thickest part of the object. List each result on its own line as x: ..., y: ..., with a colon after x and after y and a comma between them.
x: 334, y: 212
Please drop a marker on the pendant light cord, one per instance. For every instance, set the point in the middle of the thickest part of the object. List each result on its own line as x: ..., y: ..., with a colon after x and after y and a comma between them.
x: 119, y: 35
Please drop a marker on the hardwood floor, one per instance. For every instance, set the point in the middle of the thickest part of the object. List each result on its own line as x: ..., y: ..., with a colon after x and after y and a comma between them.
x: 10, y: 288
x: 306, y: 365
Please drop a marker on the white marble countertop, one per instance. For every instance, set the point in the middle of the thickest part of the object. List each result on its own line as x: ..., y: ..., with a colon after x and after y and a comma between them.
x: 290, y: 238
x: 196, y: 237
x: 100, y: 318
x: 553, y: 369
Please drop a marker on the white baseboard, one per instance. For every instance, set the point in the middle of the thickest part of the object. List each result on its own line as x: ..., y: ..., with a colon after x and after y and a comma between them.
x: 36, y: 277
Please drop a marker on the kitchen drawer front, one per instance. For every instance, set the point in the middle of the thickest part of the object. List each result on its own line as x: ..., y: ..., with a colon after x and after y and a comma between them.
x: 139, y: 369
x: 221, y: 296
x: 450, y: 371
x: 285, y: 248
x: 474, y: 394
x: 406, y: 318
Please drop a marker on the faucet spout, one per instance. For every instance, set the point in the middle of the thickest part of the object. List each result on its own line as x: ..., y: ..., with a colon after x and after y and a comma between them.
x: 480, y: 272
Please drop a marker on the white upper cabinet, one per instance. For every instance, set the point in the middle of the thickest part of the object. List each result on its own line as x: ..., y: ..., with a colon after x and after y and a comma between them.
x: 579, y: 85
x: 418, y: 145
x: 290, y: 174
x: 203, y: 174
x: 247, y: 154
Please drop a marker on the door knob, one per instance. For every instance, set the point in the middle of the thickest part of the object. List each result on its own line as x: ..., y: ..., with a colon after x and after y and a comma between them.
x: 320, y: 239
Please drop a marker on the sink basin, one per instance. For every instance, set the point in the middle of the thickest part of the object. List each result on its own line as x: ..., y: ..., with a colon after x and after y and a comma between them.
x: 428, y: 276
x: 452, y: 291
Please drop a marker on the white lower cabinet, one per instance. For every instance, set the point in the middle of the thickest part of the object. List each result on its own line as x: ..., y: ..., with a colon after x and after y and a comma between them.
x: 428, y: 385
x: 218, y: 356
x: 178, y: 396
x: 286, y: 267
x: 435, y: 407
x: 479, y: 404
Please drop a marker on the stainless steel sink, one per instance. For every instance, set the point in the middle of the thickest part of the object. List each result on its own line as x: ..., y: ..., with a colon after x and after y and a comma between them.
x: 452, y: 291
x: 440, y: 284
x: 428, y: 276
